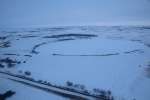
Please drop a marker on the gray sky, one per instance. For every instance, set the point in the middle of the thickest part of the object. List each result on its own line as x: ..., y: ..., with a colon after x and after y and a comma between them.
x: 37, y: 13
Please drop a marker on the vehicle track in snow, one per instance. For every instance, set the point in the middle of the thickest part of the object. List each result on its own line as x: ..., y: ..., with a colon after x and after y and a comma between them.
x: 127, y: 81
x: 123, y: 87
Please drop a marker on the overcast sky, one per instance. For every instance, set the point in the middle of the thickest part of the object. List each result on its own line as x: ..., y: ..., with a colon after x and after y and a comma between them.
x: 44, y: 13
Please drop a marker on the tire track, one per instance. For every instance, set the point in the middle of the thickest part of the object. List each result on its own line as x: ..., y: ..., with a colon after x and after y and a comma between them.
x: 128, y: 80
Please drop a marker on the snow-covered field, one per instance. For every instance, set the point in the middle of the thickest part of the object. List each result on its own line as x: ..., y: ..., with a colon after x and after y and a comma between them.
x: 108, y: 58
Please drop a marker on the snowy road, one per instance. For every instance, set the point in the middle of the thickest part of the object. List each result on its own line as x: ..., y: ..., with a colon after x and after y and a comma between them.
x: 20, y: 80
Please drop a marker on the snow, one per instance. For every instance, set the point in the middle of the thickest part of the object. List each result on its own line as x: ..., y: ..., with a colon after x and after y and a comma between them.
x: 53, y: 91
x: 24, y: 92
x: 90, y: 47
x: 124, y: 74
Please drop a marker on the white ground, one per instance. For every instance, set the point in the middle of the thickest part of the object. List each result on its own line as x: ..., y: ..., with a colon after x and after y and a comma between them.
x: 123, y: 74
x: 24, y: 92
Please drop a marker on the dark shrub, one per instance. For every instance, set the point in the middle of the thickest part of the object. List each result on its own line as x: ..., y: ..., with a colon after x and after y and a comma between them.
x: 109, y: 92
x: 103, y: 92
x: 76, y: 85
x: 85, y: 91
x: 7, y: 60
x: 10, y: 65
x: 112, y: 98
x: 18, y: 62
x: 1, y: 66
x: 96, y: 90
x: 19, y: 71
x: 27, y: 73
x: 45, y: 82
x: 40, y: 81
x: 49, y: 83
x: 69, y: 83
x: 82, y: 87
